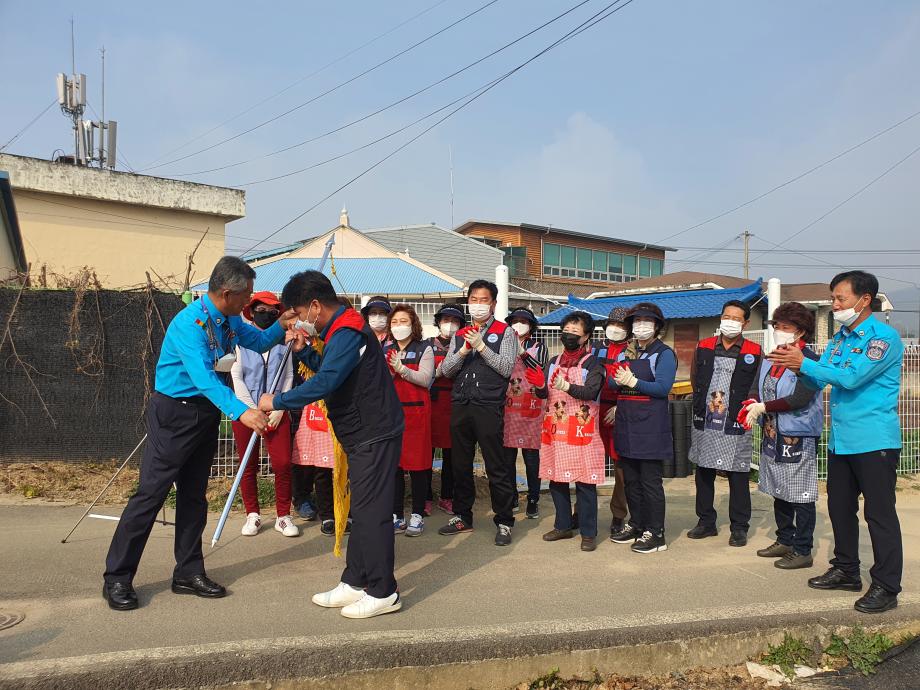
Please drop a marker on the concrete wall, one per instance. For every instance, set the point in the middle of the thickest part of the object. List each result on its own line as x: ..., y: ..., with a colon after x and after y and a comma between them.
x: 118, y: 224
x: 119, y: 241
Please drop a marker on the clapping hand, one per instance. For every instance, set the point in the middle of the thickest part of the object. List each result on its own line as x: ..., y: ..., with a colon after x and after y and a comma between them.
x: 624, y: 377
x: 535, y: 377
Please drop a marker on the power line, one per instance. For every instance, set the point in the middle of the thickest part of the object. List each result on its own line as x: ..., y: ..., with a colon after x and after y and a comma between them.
x: 592, y: 21
x: 31, y: 122
x: 849, y: 198
x: 811, y: 265
x: 393, y: 104
x: 791, y: 180
x: 330, y: 90
x: 783, y: 250
x: 301, y: 80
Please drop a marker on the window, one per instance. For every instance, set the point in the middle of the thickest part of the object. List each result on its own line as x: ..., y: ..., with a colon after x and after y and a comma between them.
x: 600, y: 261
x: 657, y: 267
x: 551, y: 254
x: 516, y: 261
x: 629, y: 265
x: 567, y: 257
x: 614, y: 262
x: 584, y: 259
x: 488, y: 241
x: 645, y: 266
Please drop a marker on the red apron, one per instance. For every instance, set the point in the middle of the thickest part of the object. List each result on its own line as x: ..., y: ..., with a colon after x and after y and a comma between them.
x: 313, y: 442
x: 416, y: 404
x: 523, y: 410
x: 571, y: 448
x: 607, y: 354
x: 441, y: 391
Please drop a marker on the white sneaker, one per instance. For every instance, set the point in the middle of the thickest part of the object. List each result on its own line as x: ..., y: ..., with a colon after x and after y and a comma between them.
x: 342, y: 595
x: 416, y: 526
x: 287, y: 527
x: 253, y: 523
x: 368, y: 606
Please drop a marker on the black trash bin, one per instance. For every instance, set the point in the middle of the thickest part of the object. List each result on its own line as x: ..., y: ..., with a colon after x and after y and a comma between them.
x: 681, y: 420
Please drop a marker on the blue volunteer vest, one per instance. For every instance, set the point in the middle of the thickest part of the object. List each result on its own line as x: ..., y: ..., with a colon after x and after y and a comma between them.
x: 642, y: 428
x: 806, y: 421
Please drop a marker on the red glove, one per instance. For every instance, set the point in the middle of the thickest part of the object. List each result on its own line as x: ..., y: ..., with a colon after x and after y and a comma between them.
x: 612, y: 369
x: 742, y: 413
x: 536, y: 378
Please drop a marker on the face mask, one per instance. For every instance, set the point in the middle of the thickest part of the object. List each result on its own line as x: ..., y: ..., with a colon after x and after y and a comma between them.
x: 644, y: 330
x: 846, y: 317
x: 378, y: 322
x: 729, y: 328
x: 570, y: 341
x: 784, y: 338
x: 401, y: 332
x: 480, y: 312
x: 308, y: 326
x: 448, y: 328
x: 615, y: 333
x: 521, y: 329
x: 264, y: 319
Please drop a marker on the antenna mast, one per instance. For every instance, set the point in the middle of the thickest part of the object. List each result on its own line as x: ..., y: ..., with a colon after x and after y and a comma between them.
x: 72, y: 99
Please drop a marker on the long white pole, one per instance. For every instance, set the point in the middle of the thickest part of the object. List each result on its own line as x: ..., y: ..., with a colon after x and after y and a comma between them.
x: 255, y: 437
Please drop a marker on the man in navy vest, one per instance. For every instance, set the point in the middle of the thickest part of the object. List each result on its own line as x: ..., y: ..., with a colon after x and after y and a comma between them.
x: 354, y: 380
x: 724, y: 376
x: 480, y: 362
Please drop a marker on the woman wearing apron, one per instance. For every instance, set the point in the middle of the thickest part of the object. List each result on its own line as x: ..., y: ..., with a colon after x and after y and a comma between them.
x: 449, y: 319
x: 571, y: 448
x: 412, y: 365
x: 792, y: 417
x: 642, y: 427
x: 523, y: 409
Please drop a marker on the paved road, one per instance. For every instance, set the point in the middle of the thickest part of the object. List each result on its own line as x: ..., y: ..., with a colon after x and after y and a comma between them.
x: 463, y: 582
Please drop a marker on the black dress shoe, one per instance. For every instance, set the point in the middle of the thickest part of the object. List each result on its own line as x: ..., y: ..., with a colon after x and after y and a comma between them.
x: 120, y: 595
x: 835, y: 578
x: 199, y: 585
x: 702, y: 531
x: 738, y: 538
x: 876, y: 600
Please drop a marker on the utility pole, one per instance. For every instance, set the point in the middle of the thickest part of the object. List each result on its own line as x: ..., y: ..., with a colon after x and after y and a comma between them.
x: 747, y: 267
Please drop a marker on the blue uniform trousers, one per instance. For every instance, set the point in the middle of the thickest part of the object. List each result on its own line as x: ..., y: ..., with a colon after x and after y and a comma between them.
x: 180, y: 447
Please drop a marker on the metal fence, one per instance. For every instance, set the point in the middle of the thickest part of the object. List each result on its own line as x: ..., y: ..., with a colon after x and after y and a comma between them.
x: 908, y: 409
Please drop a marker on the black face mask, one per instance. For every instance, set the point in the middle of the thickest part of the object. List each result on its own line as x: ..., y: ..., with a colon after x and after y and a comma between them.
x: 264, y: 319
x: 570, y: 341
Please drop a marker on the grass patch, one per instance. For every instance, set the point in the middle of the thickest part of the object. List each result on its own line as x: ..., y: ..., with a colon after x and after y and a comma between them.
x: 549, y: 681
x: 790, y: 652
x: 863, y: 652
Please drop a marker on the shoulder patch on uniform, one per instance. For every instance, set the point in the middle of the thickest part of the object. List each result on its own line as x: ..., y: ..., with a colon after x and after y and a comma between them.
x: 749, y: 359
x: 493, y: 338
x: 877, y: 349
x: 200, y: 323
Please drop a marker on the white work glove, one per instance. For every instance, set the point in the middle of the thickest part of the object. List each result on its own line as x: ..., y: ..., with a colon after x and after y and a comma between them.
x: 474, y: 340
x: 274, y: 418
x: 560, y: 383
x: 610, y: 416
x: 625, y: 377
x: 397, y: 364
x: 754, y: 412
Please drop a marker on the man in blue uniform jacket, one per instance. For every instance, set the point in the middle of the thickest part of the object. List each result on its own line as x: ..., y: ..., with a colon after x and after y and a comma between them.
x: 862, y: 364
x: 183, y: 417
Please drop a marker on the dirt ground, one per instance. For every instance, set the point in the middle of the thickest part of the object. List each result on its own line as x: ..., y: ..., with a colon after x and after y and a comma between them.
x: 80, y: 483
x: 729, y: 678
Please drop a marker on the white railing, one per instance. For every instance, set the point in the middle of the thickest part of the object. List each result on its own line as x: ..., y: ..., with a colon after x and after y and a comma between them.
x: 908, y: 407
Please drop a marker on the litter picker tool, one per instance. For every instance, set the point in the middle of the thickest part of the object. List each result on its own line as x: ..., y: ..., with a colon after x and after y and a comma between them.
x: 255, y: 437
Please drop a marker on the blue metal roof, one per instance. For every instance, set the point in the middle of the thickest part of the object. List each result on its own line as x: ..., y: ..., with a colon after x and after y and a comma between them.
x: 355, y: 276
x: 688, y: 304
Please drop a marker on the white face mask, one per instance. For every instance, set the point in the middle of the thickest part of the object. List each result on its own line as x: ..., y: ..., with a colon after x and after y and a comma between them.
x: 401, y: 332
x: 448, y: 329
x: 730, y: 329
x: 615, y: 333
x: 308, y: 326
x: 784, y: 338
x: 521, y: 329
x: 644, y: 330
x: 480, y: 312
x: 846, y: 317
x: 378, y: 322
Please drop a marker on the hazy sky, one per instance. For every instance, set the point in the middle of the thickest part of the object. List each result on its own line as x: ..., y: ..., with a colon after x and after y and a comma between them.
x: 663, y: 115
